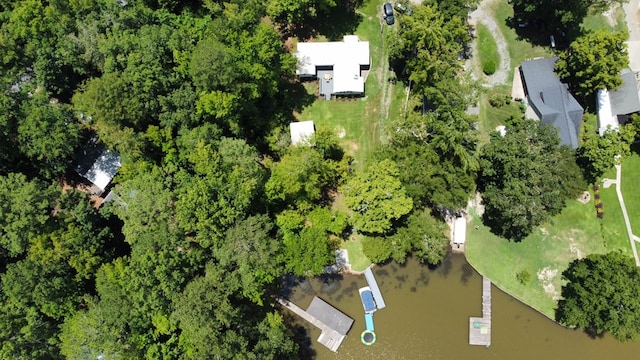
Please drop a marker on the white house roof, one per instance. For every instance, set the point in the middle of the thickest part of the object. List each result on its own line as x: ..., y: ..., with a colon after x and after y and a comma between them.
x: 606, y: 118
x: 301, y: 132
x: 345, y: 57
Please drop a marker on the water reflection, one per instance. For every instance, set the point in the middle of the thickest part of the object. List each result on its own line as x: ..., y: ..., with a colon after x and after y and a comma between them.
x: 427, y: 318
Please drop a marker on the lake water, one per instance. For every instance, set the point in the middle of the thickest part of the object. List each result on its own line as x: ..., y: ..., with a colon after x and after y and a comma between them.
x: 427, y: 317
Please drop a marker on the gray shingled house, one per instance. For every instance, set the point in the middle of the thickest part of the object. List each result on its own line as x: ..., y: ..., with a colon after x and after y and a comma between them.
x: 550, y: 99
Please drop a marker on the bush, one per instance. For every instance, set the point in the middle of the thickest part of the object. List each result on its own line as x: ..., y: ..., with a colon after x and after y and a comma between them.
x: 523, y: 277
x: 377, y: 249
x: 489, y: 67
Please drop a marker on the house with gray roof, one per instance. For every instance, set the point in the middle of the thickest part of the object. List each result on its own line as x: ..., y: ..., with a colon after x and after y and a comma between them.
x: 551, y: 100
x: 615, y: 106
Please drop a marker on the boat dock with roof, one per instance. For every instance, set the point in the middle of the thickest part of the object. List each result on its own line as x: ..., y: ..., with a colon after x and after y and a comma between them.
x: 480, y: 327
x: 332, y: 322
x: 375, y: 290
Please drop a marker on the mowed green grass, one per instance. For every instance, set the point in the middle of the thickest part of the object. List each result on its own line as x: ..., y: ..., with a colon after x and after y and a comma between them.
x: 490, y: 117
x: 547, y: 252
x: 487, y: 48
x: 598, y: 21
x: 364, y: 120
x: 630, y: 190
x: 358, y: 261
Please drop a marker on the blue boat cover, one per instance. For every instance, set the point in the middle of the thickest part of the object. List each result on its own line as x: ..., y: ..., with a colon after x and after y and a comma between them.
x: 368, y: 318
x: 367, y: 301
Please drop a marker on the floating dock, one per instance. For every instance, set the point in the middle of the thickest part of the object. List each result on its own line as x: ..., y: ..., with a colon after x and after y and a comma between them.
x: 480, y: 328
x: 375, y: 290
x: 332, y: 322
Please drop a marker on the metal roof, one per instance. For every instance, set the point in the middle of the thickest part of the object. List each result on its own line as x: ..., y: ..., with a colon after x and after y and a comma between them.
x: 551, y: 99
x: 330, y: 316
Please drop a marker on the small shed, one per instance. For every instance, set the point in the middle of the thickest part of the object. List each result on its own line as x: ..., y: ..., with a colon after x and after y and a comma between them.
x: 460, y: 231
x: 301, y: 132
x: 330, y: 316
x: 97, y: 164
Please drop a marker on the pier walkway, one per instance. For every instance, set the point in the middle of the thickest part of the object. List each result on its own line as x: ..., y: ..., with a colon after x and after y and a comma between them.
x: 331, y: 337
x: 375, y: 290
x: 480, y: 328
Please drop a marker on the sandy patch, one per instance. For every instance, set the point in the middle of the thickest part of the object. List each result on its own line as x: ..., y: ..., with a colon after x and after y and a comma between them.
x: 546, y: 276
x: 352, y: 147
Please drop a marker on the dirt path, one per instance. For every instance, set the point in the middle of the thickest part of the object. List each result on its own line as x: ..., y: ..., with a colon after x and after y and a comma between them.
x: 483, y: 15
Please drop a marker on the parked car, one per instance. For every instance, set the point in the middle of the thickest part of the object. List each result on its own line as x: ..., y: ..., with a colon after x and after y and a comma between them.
x: 387, y: 10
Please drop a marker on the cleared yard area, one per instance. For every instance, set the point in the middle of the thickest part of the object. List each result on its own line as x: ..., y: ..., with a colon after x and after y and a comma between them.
x: 547, y: 252
x: 359, y: 262
x: 630, y: 180
x: 361, y: 122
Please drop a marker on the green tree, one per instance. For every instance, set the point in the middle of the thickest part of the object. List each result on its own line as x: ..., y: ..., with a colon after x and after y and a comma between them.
x: 597, y: 154
x: 376, y: 197
x: 594, y: 61
x: 310, y: 240
x: 526, y: 178
x: 292, y: 12
x: 429, y: 44
x: 251, y: 253
x: 301, y: 177
x: 601, y: 295
x: 25, y: 208
x: 48, y: 135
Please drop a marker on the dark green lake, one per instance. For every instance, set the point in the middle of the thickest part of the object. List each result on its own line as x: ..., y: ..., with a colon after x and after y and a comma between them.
x: 427, y: 317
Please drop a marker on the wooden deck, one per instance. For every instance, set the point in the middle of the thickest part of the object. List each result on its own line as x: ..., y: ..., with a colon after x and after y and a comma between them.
x: 328, y: 337
x: 480, y: 328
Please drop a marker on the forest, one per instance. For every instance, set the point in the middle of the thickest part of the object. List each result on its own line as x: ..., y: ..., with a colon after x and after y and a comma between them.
x: 214, y: 206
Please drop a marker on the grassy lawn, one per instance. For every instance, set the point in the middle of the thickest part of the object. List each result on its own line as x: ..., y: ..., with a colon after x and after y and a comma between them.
x: 601, y: 22
x: 630, y: 176
x: 363, y: 121
x: 490, y: 116
x: 487, y: 50
x: 576, y: 232
x: 358, y: 261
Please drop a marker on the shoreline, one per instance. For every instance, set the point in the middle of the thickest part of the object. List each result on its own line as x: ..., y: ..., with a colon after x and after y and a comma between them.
x: 511, y: 295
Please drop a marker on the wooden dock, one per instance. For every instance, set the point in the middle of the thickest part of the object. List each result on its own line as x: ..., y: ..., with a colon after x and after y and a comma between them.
x: 329, y: 337
x: 480, y: 328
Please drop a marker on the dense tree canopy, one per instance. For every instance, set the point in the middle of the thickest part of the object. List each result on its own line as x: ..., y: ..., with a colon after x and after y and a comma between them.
x: 602, y: 295
x: 597, y: 154
x: 526, y: 177
x: 377, y: 198
x: 594, y: 61
x: 212, y: 204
